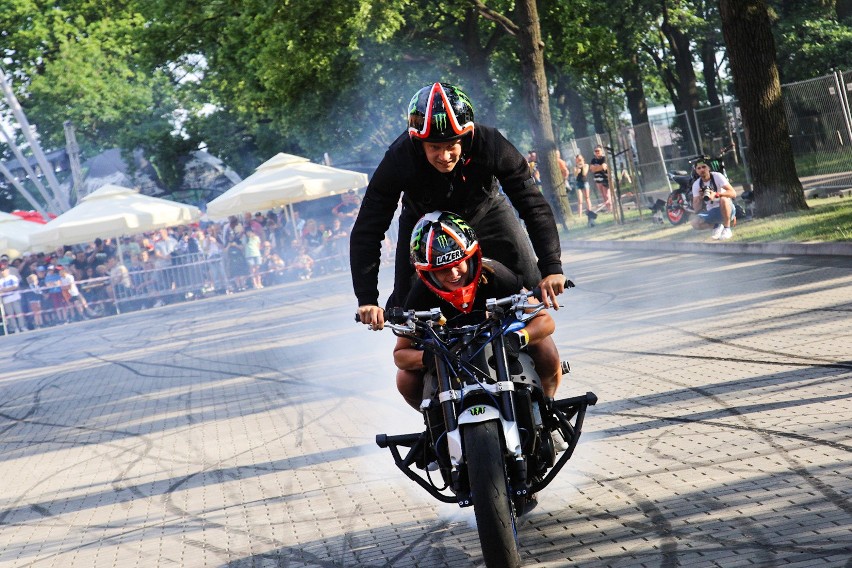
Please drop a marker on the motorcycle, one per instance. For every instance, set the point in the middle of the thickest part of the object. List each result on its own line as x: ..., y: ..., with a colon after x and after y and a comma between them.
x: 489, y: 429
x: 679, y: 202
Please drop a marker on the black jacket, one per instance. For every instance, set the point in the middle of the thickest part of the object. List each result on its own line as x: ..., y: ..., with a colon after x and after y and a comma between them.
x: 490, y: 163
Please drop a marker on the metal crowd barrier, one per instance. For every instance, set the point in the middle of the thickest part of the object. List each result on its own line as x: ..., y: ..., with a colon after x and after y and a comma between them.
x: 186, y: 277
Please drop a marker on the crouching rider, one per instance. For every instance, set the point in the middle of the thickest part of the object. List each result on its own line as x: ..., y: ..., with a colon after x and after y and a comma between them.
x: 455, y: 277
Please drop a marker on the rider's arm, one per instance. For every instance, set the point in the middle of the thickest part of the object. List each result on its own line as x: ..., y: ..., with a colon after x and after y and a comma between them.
x: 406, y: 357
x: 374, y: 218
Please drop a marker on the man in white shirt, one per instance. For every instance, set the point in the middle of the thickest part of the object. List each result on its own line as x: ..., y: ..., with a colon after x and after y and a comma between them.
x: 9, y: 284
x: 713, y: 191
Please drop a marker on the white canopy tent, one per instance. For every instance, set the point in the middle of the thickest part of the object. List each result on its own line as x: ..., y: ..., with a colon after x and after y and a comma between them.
x: 15, y: 234
x: 282, y: 181
x: 113, y: 211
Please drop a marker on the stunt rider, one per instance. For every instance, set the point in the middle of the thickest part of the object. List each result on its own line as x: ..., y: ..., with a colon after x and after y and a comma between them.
x: 447, y: 162
x: 454, y: 276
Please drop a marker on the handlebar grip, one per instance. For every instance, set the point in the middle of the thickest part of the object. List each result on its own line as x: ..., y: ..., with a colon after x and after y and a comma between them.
x: 536, y: 292
x: 396, y: 315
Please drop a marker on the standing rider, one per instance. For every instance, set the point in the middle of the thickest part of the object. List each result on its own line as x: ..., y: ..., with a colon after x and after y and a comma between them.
x: 454, y: 276
x: 446, y: 162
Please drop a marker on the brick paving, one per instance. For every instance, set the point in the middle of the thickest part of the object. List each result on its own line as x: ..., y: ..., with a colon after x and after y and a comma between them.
x: 238, y: 431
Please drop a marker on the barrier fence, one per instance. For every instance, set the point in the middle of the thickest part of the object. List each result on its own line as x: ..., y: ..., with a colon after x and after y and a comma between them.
x: 820, y: 123
x: 187, y: 277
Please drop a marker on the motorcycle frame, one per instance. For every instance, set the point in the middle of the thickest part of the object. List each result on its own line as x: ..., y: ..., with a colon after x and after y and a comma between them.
x: 477, y: 401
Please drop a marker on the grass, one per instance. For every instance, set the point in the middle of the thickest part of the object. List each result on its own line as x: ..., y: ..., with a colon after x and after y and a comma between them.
x: 827, y: 220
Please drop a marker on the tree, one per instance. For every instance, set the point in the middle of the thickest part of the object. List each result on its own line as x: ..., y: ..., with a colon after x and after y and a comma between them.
x: 527, y: 29
x: 751, y: 50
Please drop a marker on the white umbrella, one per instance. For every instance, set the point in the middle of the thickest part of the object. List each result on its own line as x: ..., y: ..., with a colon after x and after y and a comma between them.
x: 15, y: 233
x: 113, y: 211
x: 283, y: 180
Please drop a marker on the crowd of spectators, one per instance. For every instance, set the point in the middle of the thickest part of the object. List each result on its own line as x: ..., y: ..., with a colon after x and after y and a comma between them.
x: 146, y: 270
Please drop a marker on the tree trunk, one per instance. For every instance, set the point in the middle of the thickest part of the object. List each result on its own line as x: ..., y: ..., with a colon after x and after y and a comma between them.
x: 571, y: 103
x: 476, y: 69
x: 598, y: 114
x: 751, y: 51
x: 708, y: 70
x: 531, y: 54
x: 635, y: 90
x: 687, y: 88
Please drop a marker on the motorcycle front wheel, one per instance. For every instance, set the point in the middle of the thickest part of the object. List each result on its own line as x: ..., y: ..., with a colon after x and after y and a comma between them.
x: 675, y: 208
x: 489, y: 488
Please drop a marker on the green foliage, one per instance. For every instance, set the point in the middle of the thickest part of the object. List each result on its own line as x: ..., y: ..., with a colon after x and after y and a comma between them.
x: 249, y: 78
x: 812, y: 47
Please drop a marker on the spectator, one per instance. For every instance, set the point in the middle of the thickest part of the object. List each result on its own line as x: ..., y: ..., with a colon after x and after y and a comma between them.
x: 298, y: 226
x: 272, y: 265
x: 563, y: 167
x: 338, y: 245
x: 58, y: 304
x: 713, y: 191
x: 581, y: 174
x: 210, y: 245
x: 98, y: 254
x: 141, y: 271
x: 9, y: 284
x: 313, y: 239
x: 600, y: 170
x: 236, y: 260
x: 532, y: 160
x: 13, y: 267
x: 48, y: 315
x: 304, y: 264
x: 71, y: 293
x: 258, y: 225
x: 119, y: 278
x: 347, y: 210
x: 31, y: 298
x: 164, y: 248
x: 251, y: 249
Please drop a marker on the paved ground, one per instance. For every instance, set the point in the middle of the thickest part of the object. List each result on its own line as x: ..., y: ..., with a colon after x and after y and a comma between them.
x: 238, y: 431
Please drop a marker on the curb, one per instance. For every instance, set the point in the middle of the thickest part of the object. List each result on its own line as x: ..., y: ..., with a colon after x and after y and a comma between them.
x: 776, y: 249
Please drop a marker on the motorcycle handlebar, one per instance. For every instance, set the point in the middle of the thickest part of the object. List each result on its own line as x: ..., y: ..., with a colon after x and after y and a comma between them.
x: 399, y: 316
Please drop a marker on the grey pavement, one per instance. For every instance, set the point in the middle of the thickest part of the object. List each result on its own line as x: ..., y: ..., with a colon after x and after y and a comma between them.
x: 239, y: 431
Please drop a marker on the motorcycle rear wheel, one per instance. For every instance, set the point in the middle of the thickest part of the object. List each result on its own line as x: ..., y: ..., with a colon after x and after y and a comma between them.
x: 489, y: 488
x: 675, y: 211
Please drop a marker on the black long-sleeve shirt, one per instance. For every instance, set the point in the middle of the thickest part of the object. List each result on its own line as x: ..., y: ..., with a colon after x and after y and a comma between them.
x: 490, y: 163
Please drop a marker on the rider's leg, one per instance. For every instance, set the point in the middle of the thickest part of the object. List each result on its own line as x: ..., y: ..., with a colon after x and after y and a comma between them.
x: 410, y: 386
x: 504, y: 239
x: 546, y: 357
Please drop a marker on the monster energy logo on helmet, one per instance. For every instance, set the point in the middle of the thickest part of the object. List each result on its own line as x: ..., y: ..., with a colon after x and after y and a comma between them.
x: 440, y: 121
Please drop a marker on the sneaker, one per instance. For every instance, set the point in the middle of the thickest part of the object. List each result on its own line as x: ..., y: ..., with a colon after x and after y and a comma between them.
x: 717, y: 232
x: 559, y: 443
x: 726, y: 234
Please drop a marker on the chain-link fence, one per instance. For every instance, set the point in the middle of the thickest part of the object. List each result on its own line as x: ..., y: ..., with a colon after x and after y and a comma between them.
x: 819, y: 118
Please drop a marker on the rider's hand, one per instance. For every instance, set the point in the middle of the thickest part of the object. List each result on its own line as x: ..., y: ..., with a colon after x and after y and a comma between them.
x: 374, y: 316
x: 551, y: 286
